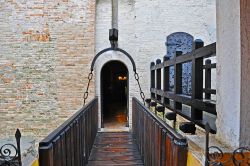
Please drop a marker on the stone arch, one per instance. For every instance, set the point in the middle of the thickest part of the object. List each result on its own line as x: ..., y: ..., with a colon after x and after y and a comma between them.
x: 99, y: 64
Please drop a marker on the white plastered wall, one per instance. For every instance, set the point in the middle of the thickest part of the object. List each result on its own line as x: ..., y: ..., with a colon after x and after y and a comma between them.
x: 228, y: 71
x: 143, y: 27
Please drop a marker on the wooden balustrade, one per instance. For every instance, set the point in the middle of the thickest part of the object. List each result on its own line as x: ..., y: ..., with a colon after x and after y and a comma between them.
x: 158, y: 143
x: 71, y: 143
x: 200, y: 72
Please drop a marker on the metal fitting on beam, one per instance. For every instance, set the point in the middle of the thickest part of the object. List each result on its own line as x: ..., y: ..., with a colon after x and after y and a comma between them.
x: 153, y: 104
x: 171, y: 116
x: 148, y: 102
x: 160, y: 108
x: 188, y: 127
x: 113, y: 37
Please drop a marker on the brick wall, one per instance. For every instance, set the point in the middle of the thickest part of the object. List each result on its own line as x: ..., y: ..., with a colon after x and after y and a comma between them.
x: 45, y: 50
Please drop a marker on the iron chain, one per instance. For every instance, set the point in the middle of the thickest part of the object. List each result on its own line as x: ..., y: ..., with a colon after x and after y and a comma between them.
x: 90, y: 76
x: 86, y: 94
x: 138, y: 82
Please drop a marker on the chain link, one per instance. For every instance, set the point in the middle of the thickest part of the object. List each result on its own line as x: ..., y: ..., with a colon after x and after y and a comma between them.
x: 90, y: 76
x: 86, y: 94
x: 138, y: 82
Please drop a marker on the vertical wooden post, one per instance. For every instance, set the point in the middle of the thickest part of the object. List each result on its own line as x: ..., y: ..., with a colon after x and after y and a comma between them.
x: 158, y: 80
x: 152, y: 79
x: 166, y: 80
x: 197, y: 81
x: 46, y: 155
x: 208, y: 79
x: 178, y: 81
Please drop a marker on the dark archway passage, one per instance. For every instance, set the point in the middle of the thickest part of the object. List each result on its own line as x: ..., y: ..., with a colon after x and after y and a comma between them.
x: 114, y: 89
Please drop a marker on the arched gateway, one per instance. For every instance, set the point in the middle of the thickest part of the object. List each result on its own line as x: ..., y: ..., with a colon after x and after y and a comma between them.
x: 112, y: 74
x: 114, y: 95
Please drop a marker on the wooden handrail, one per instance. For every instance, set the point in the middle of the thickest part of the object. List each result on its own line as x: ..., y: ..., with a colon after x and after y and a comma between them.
x: 158, y: 143
x: 71, y: 143
x: 202, y: 108
x: 203, y: 52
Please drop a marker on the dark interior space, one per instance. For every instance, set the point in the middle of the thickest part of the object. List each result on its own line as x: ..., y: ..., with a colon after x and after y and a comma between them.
x: 114, y: 87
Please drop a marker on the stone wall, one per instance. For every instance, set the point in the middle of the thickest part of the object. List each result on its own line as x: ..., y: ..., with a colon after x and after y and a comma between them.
x: 45, y: 50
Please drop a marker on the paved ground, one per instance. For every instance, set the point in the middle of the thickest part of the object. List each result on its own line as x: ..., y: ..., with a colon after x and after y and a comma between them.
x: 28, y: 150
x: 115, y: 117
x: 114, y: 148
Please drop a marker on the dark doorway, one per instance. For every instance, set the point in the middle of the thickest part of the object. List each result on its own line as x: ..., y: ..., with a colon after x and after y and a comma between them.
x: 114, y: 98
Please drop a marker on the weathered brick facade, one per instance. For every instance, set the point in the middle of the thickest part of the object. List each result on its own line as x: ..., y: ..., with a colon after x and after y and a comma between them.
x: 45, y: 50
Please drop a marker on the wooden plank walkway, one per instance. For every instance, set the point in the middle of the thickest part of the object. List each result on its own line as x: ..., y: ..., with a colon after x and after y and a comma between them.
x: 114, y: 148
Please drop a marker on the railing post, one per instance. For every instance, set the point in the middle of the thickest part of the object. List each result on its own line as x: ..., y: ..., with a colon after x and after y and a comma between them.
x: 178, y: 81
x: 152, y: 79
x: 46, y: 155
x: 208, y: 79
x: 166, y: 80
x: 158, y: 79
x: 197, y: 81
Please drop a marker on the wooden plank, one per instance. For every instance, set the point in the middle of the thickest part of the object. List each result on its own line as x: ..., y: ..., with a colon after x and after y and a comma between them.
x: 72, y: 149
x: 153, y: 79
x: 168, y: 150
x: 115, y: 162
x: 207, y: 106
x: 114, y: 148
x: 178, y: 85
x: 207, y: 79
x: 204, y: 52
x: 209, y: 91
x: 57, y: 152
x: 68, y: 147
x: 63, y: 148
x: 163, y: 147
x: 209, y: 66
x: 77, y: 143
x: 197, y: 87
x: 46, y: 155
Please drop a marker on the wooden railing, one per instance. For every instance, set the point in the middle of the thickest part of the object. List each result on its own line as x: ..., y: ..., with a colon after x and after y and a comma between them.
x: 203, y: 109
x: 71, y: 143
x: 158, y: 143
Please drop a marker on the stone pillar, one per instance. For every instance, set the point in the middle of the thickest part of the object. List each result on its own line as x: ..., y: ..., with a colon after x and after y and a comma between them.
x: 233, y: 72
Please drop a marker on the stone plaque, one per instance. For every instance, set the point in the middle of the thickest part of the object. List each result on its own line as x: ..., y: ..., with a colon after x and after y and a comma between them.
x: 180, y: 41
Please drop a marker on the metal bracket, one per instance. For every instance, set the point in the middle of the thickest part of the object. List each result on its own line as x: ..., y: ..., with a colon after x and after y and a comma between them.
x: 113, y: 37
